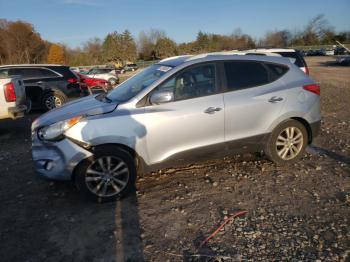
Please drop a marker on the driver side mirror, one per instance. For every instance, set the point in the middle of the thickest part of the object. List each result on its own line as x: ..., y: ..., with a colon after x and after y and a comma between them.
x: 161, y: 97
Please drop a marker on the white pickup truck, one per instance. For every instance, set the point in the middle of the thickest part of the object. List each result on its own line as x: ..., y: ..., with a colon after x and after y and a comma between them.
x: 12, y: 97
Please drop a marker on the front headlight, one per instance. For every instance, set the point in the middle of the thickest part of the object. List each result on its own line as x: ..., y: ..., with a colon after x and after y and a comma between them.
x: 56, y: 130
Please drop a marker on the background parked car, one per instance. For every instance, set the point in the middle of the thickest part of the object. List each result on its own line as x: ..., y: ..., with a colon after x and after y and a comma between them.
x: 340, y: 50
x: 108, y: 74
x: 130, y: 67
x: 329, y: 52
x: 12, y: 97
x: 47, y: 86
x: 94, y: 85
x: 285, y: 52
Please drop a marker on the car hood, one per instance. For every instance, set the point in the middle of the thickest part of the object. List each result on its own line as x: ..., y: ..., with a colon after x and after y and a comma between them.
x: 88, y: 106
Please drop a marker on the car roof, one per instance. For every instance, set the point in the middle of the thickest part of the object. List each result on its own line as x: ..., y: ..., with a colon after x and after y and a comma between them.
x: 271, y: 50
x: 207, y: 57
x: 30, y: 65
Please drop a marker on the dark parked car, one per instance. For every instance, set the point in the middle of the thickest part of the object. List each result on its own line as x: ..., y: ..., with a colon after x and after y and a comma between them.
x: 47, y: 86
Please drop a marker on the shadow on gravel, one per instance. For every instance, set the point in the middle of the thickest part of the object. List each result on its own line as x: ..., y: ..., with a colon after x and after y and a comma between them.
x: 322, y: 151
x: 128, y: 230
x: 334, y: 64
x: 42, y: 220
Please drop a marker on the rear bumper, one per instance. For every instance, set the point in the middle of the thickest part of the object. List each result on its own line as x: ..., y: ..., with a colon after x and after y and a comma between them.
x: 315, y: 129
x: 17, y: 111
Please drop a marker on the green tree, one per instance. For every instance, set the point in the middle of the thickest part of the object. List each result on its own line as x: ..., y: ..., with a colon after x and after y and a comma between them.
x: 165, y: 47
x: 129, y: 52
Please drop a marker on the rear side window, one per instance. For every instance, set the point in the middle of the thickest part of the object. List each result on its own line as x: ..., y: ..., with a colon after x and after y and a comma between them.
x: 275, y: 71
x: 245, y: 74
x: 299, y: 60
x: 62, y: 71
x: 48, y: 73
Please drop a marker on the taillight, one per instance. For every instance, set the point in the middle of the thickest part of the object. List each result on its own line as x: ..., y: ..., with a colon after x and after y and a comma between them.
x: 72, y: 80
x: 313, y: 88
x: 10, y: 94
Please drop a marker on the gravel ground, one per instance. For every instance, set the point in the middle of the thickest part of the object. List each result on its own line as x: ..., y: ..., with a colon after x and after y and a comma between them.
x: 295, y: 213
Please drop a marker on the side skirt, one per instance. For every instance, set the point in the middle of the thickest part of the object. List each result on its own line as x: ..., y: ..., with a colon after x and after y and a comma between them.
x: 217, y: 151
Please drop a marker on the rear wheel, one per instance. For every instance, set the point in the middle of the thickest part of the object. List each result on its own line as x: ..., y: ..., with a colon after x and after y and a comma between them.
x: 53, y: 99
x: 108, y: 175
x: 287, y: 142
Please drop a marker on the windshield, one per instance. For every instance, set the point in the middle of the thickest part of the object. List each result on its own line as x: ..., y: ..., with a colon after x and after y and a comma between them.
x: 137, y: 83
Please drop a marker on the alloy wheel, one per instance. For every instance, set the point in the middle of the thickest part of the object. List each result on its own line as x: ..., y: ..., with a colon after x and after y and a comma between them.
x: 107, y: 176
x: 52, y: 102
x: 289, y: 143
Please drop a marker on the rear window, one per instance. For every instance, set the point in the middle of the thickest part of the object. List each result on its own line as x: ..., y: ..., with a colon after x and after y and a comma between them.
x: 63, y: 71
x: 245, y: 74
x: 299, y: 60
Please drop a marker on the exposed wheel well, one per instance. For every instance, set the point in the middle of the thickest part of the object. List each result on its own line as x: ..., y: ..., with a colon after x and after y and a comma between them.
x: 307, y: 126
x: 138, y: 160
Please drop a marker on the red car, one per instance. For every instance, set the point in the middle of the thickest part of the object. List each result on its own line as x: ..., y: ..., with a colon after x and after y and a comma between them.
x: 93, y: 85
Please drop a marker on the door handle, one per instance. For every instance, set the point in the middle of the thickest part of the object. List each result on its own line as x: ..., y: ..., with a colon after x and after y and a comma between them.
x: 275, y: 99
x: 39, y: 83
x: 212, y: 110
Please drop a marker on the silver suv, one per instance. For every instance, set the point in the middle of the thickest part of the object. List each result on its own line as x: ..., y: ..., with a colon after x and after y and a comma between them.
x: 176, y: 111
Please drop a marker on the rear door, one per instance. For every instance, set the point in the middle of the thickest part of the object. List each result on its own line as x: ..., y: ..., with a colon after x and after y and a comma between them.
x: 253, y: 98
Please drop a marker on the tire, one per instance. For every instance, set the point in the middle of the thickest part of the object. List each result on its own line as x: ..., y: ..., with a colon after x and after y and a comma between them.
x: 103, y: 186
x: 113, y: 81
x: 287, y: 143
x: 53, y: 99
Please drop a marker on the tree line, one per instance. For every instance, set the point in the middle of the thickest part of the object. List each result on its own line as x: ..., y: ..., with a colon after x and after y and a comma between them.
x: 20, y: 43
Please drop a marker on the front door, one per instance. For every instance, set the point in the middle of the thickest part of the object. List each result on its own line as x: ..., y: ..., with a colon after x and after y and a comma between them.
x: 194, y: 120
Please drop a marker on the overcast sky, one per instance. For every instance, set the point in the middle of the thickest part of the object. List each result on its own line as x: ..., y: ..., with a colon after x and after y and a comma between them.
x: 74, y: 21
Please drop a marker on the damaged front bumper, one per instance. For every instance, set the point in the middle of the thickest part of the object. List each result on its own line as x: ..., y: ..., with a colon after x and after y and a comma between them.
x: 57, y: 160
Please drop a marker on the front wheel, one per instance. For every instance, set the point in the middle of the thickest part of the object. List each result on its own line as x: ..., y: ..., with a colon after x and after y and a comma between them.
x: 287, y: 142
x: 108, y: 175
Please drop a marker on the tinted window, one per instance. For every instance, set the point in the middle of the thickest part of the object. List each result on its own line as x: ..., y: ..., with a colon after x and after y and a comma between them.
x: 243, y: 74
x: 33, y: 72
x: 4, y: 72
x: 194, y: 82
x: 275, y: 71
x: 47, y: 73
x: 299, y: 60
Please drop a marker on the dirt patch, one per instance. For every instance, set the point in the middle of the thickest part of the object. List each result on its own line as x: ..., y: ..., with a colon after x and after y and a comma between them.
x: 300, y: 212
